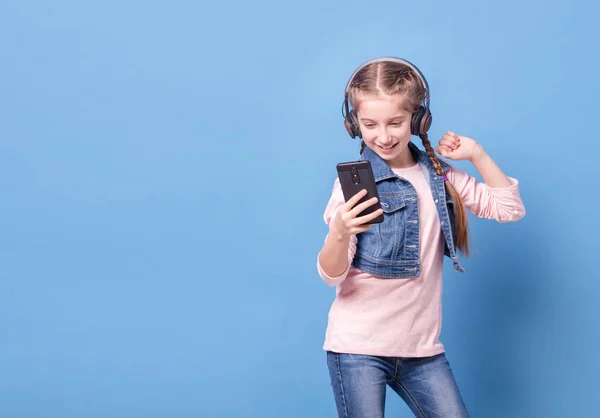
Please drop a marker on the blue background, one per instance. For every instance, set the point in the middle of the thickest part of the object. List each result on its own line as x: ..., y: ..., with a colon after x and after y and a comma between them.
x: 164, y: 167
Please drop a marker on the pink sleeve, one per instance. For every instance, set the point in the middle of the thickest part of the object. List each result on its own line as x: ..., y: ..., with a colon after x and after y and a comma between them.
x: 501, y: 204
x: 335, y: 201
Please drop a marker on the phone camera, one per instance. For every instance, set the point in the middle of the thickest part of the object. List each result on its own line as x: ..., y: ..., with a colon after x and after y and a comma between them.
x: 355, y: 179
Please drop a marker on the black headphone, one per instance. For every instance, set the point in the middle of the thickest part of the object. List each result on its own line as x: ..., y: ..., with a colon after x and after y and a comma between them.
x: 421, y: 118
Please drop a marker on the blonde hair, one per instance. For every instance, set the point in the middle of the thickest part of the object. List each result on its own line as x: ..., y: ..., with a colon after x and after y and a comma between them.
x: 389, y: 78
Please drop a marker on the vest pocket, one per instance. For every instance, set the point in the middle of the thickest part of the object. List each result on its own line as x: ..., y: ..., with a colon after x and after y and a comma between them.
x: 391, y: 203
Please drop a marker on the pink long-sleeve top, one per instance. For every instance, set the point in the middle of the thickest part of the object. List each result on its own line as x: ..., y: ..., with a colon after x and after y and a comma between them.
x: 403, y: 317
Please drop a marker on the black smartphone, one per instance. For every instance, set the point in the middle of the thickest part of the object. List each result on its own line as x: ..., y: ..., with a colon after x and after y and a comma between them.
x: 355, y: 176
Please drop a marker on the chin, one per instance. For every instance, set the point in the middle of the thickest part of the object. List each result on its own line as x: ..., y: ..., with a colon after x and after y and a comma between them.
x: 387, y: 157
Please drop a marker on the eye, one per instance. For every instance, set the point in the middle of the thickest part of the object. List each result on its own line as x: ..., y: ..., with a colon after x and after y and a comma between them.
x: 369, y: 125
x: 396, y: 123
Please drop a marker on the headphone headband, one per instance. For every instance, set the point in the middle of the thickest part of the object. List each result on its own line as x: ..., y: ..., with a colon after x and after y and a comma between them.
x: 399, y: 61
x: 421, y: 118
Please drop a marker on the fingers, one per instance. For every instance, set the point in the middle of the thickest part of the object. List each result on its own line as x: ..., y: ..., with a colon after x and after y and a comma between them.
x: 452, y: 134
x: 444, y: 151
x: 361, y: 228
x: 450, y: 140
x: 360, y: 224
x: 369, y: 217
x: 449, y: 143
x: 354, y: 199
x: 359, y: 208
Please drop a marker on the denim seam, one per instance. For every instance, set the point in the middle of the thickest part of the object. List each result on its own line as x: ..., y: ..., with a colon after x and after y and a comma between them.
x: 412, y: 399
x: 387, y: 263
x: 339, y: 372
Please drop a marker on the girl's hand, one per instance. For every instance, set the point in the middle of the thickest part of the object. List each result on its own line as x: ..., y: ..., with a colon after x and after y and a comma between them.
x: 346, y: 220
x: 456, y: 147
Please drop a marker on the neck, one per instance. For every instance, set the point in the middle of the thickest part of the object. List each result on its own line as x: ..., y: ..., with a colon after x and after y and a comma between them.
x: 405, y: 160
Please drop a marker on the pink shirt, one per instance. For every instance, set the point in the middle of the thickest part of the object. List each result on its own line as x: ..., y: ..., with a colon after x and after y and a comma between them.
x: 403, y: 317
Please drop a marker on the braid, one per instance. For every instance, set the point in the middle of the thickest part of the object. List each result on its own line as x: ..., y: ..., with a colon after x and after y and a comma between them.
x: 434, y: 160
x: 462, y: 232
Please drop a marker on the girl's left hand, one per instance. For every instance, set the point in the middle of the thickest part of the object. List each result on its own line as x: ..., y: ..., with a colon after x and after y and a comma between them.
x: 456, y: 147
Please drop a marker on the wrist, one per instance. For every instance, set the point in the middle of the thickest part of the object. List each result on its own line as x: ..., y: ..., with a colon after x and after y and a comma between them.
x: 337, y: 235
x: 478, y: 154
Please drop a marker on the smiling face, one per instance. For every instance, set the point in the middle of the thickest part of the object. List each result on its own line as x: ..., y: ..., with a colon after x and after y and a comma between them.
x: 385, y: 126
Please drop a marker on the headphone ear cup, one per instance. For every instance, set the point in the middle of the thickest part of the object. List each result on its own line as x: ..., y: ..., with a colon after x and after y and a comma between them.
x: 426, y: 121
x: 351, y: 124
x: 415, y: 123
x: 421, y: 121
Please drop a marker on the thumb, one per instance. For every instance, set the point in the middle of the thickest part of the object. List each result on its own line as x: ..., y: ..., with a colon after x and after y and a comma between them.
x: 443, y: 151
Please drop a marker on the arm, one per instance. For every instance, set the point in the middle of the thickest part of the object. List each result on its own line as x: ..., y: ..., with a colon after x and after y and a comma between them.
x: 498, y: 197
x: 337, y: 253
x: 333, y: 257
x: 334, y: 252
x: 489, y: 170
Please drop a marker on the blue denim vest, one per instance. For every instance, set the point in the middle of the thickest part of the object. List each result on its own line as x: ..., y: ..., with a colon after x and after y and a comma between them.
x: 391, y: 249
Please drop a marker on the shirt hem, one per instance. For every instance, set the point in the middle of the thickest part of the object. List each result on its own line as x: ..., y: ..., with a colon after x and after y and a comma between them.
x: 370, y: 351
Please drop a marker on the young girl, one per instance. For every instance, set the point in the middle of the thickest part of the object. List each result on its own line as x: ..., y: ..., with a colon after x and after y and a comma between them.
x: 385, y: 322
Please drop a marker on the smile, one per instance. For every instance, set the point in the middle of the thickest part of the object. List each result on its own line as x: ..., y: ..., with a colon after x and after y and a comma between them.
x: 387, y: 149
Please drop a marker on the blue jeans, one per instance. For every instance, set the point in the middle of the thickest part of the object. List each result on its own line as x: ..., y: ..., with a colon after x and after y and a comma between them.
x: 426, y: 384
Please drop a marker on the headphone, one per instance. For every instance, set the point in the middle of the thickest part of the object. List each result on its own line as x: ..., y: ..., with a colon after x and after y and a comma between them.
x: 421, y: 118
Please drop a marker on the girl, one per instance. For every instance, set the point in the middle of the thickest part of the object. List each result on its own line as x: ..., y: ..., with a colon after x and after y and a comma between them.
x: 385, y: 322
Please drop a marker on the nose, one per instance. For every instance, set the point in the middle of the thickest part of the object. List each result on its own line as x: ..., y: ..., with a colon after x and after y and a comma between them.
x: 384, y: 137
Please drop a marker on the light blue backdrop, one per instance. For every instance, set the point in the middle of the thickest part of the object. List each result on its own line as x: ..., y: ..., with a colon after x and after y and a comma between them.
x: 164, y: 167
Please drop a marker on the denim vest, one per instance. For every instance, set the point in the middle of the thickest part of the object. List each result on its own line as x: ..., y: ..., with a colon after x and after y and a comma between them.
x: 391, y: 249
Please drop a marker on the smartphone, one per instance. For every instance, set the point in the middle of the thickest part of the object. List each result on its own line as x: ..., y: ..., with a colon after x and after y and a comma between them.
x: 355, y: 176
